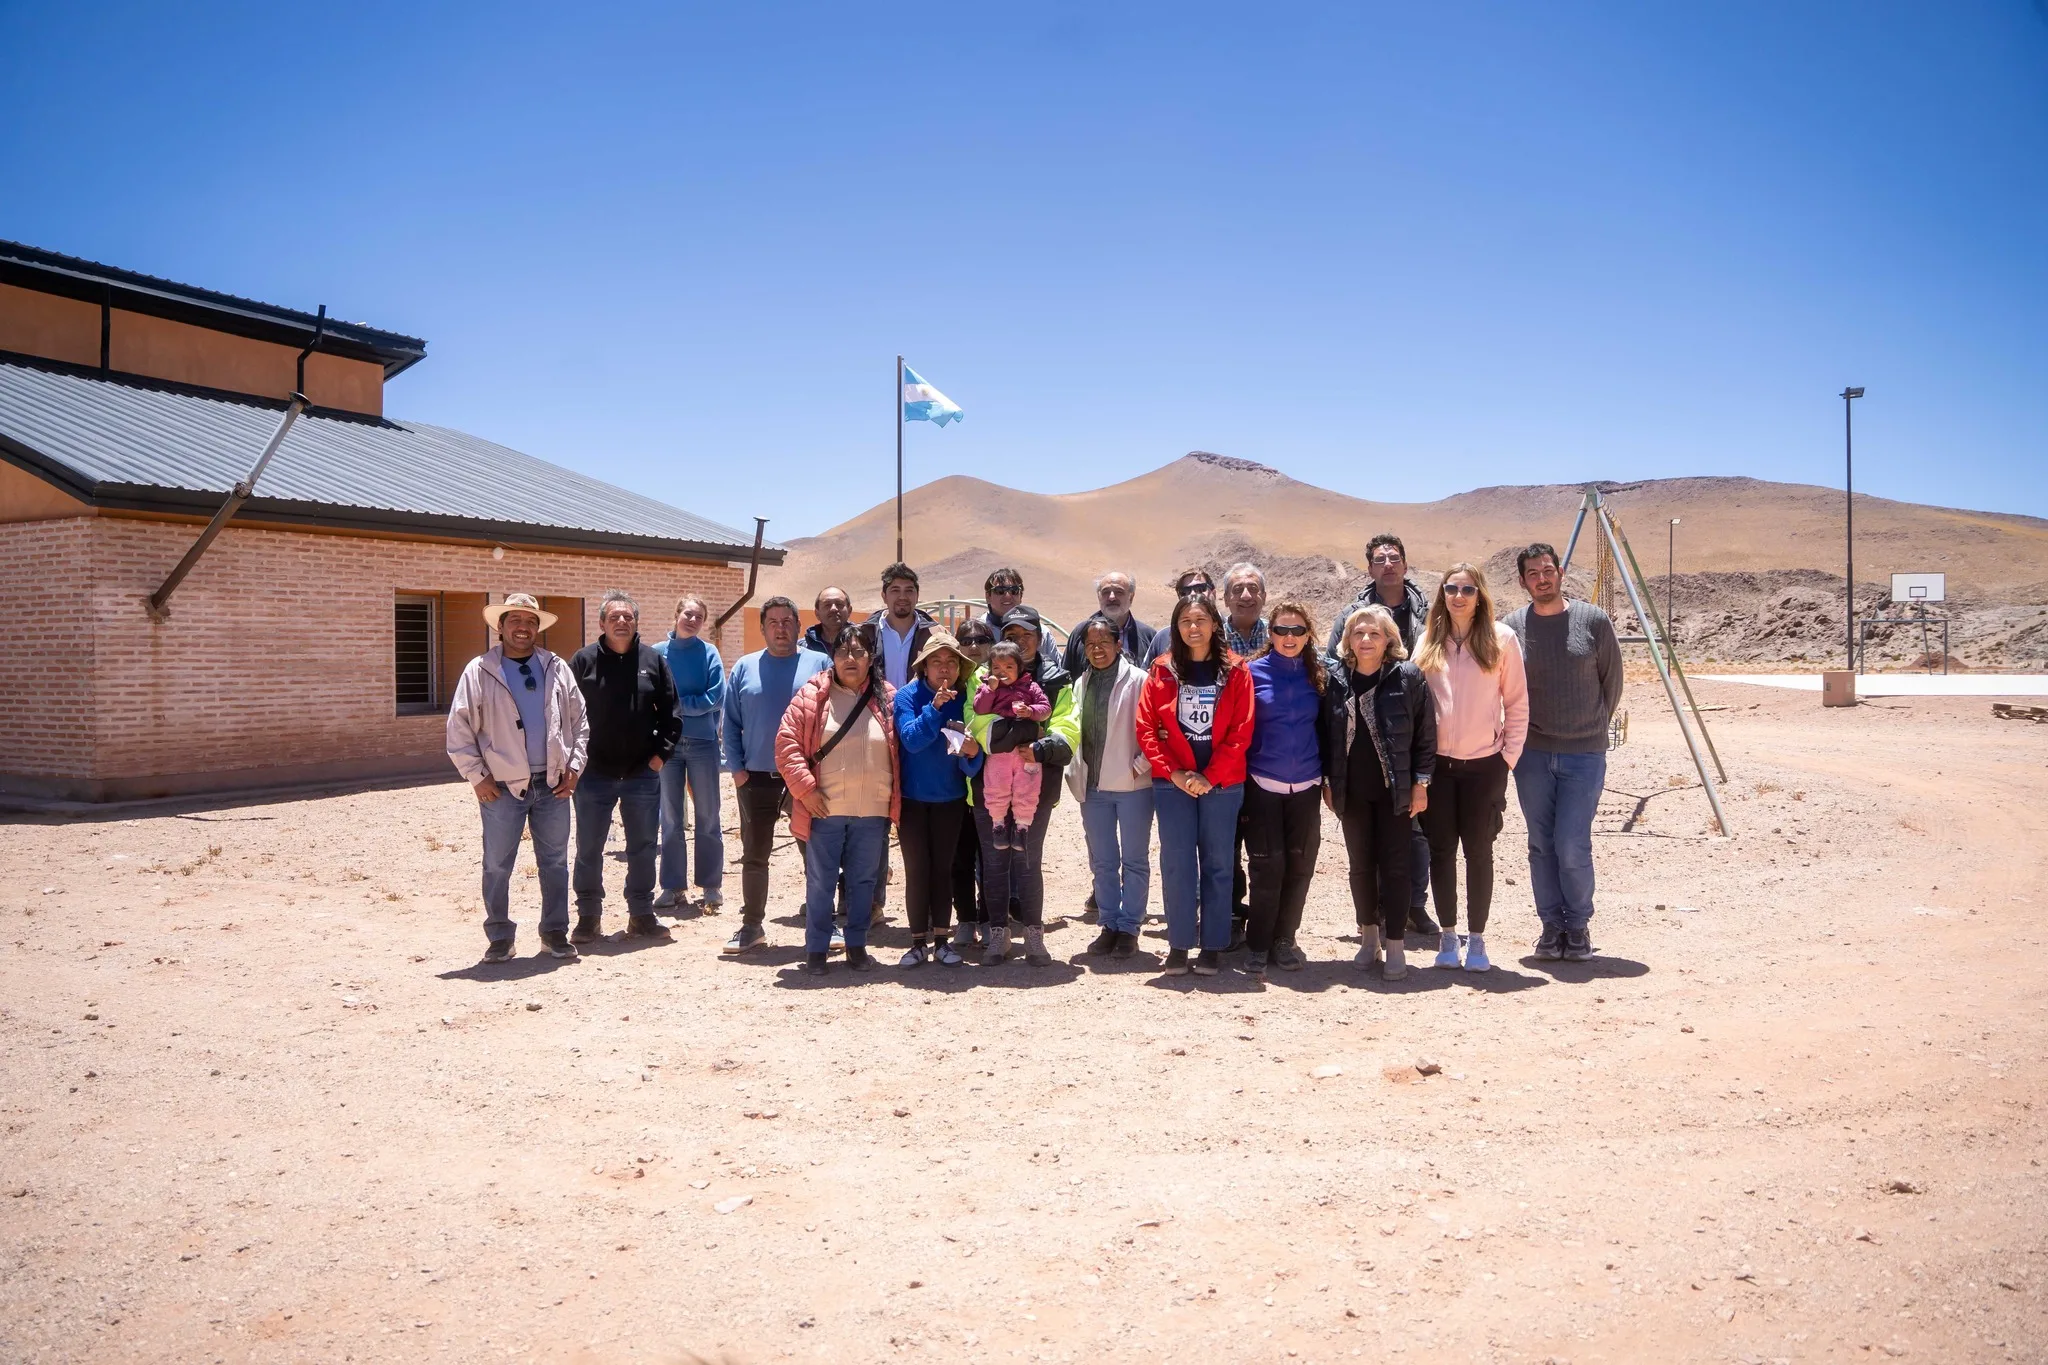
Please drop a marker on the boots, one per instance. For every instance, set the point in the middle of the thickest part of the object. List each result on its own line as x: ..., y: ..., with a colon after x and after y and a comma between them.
x: 1034, y: 946
x: 998, y: 944
x: 1368, y: 946
x: 1397, y: 960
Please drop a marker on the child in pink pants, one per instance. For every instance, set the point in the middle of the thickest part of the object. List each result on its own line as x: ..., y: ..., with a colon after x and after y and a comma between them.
x: 1010, y: 781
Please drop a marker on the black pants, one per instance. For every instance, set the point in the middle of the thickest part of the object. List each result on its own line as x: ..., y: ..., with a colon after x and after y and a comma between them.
x: 929, y: 833
x: 1282, y: 835
x: 1465, y: 804
x: 760, y: 802
x: 1376, y: 839
x: 970, y: 906
x: 1013, y: 879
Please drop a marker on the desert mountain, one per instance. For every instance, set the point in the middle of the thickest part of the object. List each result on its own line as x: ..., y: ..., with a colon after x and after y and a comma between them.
x: 1743, y: 544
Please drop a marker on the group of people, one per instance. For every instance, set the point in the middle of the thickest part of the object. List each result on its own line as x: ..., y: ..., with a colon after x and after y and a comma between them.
x: 1229, y: 729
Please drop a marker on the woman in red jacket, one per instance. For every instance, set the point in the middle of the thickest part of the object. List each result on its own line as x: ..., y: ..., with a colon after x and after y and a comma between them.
x: 1194, y: 724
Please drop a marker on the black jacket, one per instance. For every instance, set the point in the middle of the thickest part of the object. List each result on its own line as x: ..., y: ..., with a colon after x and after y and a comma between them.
x: 631, y: 701
x: 1407, y: 740
x: 1411, y: 614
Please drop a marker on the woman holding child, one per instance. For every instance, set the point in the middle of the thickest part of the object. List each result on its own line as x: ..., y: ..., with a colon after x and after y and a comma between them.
x: 837, y: 751
x: 938, y: 756
x: 1481, y: 695
x: 1194, y: 724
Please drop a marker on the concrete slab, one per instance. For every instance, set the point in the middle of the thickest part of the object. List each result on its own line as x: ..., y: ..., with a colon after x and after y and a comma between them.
x: 1904, y: 684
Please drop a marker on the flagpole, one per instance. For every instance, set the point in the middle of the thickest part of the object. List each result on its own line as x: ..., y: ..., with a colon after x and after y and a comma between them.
x: 899, y: 459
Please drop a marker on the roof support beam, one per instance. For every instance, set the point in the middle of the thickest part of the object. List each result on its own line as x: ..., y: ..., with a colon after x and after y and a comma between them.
x: 159, y: 603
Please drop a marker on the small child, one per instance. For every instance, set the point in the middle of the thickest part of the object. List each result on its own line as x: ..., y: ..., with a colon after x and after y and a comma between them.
x: 1010, y: 781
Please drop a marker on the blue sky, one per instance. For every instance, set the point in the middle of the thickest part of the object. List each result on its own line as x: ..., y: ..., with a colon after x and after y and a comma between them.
x: 1396, y: 250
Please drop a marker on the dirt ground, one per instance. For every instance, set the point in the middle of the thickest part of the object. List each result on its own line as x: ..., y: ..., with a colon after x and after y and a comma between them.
x: 263, y: 1104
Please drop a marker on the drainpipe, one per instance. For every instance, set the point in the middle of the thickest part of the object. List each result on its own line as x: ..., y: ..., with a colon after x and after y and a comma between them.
x: 319, y: 331
x: 753, y: 573
x: 158, y: 603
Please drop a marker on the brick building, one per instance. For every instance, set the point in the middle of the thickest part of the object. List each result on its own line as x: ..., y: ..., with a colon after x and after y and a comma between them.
x: 320, y: 636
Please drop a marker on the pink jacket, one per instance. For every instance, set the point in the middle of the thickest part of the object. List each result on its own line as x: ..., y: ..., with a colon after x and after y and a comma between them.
x: 803, y: 734
x: 1478, y: 713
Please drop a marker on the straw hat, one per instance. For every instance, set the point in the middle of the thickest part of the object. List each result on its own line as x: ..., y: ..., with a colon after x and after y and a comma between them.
x: 517, y: 601
x: 941, y: 641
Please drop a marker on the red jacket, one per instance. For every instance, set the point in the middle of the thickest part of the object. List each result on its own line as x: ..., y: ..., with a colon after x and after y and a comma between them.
x: 1159, y: 732
x: 803, y: 734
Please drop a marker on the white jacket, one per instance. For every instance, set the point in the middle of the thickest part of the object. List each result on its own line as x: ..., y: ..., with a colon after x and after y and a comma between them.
x: 1124, y: 766
x: 484, y: 738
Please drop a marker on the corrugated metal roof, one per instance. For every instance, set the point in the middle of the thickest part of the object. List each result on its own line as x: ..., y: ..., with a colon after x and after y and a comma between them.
x: 107, y: 435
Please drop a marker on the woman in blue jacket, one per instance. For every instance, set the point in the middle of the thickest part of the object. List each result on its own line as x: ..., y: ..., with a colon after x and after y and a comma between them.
x: 938, y: 757
x: 1283, y: 798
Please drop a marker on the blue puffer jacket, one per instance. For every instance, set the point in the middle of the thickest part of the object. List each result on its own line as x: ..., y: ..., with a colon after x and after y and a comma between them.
x: 930, y: 774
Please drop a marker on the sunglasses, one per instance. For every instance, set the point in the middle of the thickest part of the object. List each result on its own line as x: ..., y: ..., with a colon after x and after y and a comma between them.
x: 1290, y: 632
x: 1461, y: 590
x: 526, y: 672
x: 1192, y: 589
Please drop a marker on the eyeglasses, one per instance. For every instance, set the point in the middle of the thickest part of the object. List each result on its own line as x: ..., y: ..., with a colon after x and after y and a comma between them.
x: 1461, y: 590
x: 1290, y: 632
x: 526, y: 671
x: 1389, y: 559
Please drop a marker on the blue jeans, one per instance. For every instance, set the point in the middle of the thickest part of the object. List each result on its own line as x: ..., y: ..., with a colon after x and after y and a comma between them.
x: 692, y: 772
x: 638, y: 799
x: 1197, y: 859
x: 1118, y: 827
x: 505, y: 819
x: 852, y: 845
x: 1560, y: 794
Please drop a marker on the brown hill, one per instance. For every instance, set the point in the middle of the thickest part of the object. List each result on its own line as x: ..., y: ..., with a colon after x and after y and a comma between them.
x: 1211, y: 509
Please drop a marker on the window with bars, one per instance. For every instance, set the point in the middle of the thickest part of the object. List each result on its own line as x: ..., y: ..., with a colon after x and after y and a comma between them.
x: 416, y: 640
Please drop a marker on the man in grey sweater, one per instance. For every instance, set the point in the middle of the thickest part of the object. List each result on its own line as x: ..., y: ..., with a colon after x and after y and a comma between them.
x: 1574, y: 667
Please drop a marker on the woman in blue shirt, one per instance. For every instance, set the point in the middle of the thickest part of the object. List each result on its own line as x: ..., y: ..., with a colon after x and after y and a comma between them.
x: 1284, y: 791
x: 938, y: 757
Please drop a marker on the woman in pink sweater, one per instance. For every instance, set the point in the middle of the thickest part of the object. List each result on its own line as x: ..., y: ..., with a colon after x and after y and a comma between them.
x: 1474, y: 668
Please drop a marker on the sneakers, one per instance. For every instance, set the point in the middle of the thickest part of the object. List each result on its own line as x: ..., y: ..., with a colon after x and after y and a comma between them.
x: 1237, y: 931
x: 838, y: 944
x: 918, y: 955
x: 1578, y: 945
x: 1475, y: 954
x: 1176, y: 962
x: 1034, y: 946
x: 1125, y: 945
x: 586, y: 929
x: 1255, y: 964
x: 1447, y: 951
x: 647, y: 926
x: 814, y: 964
x: 981, y: 933
x: 963, y: 936
x: 1550, y: 947
x: 668, y: 900
x: 999, y: 835
x: 1368, y: 954
x: 1104, y: 942
x: 748, y: 935
x: 714, y: 901
x: 1396, y: 965
x: 946, y: 954
x: 498, y: 950
x: 1289, y: 958
x: 859, y: 960
x: 1208, y: 962
x: 998, y: 946
x: 557, y: 945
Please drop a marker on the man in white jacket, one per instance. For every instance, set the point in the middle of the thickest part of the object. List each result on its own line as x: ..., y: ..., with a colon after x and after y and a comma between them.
x: 517, y: 733
x: 1112, y: 780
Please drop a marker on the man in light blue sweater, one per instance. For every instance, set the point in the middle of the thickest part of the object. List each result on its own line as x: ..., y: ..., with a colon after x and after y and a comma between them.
x: 756, y: 695
x: 689, y: 781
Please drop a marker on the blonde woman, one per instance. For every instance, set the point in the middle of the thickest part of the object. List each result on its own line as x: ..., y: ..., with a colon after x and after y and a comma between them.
x: 1380, y: 756
x: 1474, y: 667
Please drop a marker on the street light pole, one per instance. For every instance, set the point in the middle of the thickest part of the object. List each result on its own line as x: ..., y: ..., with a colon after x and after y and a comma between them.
x: 1670, y: 568
x: 1849, y: 396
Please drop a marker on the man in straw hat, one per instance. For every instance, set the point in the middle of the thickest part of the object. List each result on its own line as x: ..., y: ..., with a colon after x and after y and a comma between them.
x: 517, y: 733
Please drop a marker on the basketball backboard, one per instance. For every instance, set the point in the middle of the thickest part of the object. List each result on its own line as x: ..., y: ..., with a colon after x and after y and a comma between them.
x: 1919, y: 587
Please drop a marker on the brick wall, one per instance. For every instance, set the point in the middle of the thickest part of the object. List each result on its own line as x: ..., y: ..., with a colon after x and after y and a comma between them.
x: 278, y: 653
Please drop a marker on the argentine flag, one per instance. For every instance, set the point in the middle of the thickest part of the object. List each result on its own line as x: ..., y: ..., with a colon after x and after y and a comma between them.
x: 923, y: 403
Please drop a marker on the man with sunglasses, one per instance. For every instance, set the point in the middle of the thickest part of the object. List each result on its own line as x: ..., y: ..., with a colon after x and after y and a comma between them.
x: 1386, y: 561
x: 1574, y: 665
x: 517, y: 734
x: 634, y: 725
